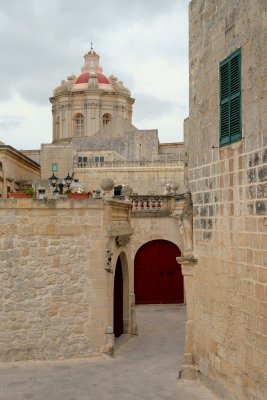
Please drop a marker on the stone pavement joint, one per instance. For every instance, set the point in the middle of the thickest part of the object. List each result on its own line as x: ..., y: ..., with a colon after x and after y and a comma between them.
x: 144, y: 367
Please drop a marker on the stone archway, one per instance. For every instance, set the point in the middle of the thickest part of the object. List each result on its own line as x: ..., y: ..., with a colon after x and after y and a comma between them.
x: 121, y: 309
x: 157, y: 276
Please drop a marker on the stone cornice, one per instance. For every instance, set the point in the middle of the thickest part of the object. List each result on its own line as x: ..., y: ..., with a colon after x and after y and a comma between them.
x: 18, y: 155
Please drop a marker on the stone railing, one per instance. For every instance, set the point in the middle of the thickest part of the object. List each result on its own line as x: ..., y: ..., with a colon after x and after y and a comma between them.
x: 156, y: 205
x: 145, y: 203
x: 128, y: 164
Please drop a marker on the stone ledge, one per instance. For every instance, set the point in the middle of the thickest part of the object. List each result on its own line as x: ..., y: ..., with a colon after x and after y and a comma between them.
x: 151, y: 214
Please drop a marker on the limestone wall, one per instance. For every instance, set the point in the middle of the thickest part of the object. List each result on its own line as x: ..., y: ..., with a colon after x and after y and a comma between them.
x: 229, y: 191
x: 56, y: 298
x: 61, y: 154
x: 155, y: 228
x: 143, y: 180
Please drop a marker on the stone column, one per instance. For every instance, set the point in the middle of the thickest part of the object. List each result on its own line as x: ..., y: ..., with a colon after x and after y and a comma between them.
x: 134, y: 329
x: 189, y: 370
x: 110, y: 341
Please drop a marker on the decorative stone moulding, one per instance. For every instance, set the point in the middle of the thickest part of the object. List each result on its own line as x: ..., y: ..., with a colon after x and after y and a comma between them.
x: 19, y: 195
x: 78, y: 196
x: 122, y: 240
x: 187, y: 260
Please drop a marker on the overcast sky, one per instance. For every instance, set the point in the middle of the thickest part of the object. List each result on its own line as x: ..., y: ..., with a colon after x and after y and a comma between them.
x: 142, y: 42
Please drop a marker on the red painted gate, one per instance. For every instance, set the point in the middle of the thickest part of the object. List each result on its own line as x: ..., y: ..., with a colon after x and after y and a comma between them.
x: 157, y: 276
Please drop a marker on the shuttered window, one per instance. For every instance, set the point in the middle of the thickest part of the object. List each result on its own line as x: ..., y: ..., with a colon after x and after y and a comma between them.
x: 230, y: 99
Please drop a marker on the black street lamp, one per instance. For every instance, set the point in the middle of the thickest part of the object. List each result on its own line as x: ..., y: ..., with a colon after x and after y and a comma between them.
x: 53, y: 180
x: 59, y: 186
x: 68, y: 180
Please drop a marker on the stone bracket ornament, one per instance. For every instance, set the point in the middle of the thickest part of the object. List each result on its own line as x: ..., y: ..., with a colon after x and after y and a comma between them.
x: 187, y: 260
x: 122, y: 240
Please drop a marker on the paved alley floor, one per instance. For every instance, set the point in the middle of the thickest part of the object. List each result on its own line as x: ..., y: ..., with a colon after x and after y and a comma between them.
x: 144, y: 367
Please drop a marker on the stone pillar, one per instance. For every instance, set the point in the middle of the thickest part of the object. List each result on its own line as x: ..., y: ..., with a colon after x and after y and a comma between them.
x: 189, y: 370
x: 110, y: 340
x: 134, y: 329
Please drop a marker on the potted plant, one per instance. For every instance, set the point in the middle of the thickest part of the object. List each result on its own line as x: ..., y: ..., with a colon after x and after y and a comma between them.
x: 27, y: 192
x: 80, y: 195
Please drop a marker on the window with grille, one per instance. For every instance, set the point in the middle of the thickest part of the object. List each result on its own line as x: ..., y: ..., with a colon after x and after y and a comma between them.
x: 230, y: 99
x: 79, y: 124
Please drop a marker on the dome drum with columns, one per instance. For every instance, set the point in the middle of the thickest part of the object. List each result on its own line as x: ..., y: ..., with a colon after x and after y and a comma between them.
x: 82, y: 105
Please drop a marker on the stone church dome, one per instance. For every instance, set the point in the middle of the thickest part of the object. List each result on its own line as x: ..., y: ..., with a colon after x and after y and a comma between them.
x: 84, y: 78
x: 90, y: 102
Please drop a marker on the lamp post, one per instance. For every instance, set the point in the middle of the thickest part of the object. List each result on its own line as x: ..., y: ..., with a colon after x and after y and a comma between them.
x: 59, y: 186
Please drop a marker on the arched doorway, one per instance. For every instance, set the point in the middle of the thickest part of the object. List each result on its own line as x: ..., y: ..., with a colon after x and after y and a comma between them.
x: 118, y: 300
x: 157, y: 276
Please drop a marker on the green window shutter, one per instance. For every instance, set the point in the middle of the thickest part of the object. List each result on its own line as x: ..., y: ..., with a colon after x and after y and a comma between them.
x: 230, y: 99
x: 235, y: 89
x: 225, y: 112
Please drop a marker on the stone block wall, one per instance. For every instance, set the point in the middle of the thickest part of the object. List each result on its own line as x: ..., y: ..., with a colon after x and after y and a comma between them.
x: 143, y: 180
x: 155, y: 228
x: 56, y: 298
x: 229, y: 191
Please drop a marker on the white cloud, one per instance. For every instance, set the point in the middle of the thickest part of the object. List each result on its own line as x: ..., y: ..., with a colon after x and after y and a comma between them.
x: 144, y: 43
x: 24, y: 125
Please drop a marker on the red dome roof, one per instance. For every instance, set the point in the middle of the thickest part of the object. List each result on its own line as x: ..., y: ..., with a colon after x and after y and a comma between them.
x: 84, y: 78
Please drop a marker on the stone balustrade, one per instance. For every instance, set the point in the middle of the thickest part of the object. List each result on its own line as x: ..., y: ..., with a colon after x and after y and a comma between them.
x: 158, y: 204
x: 153, y: 203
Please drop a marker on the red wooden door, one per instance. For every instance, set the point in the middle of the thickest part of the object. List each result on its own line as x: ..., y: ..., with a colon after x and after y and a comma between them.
x: 157, y: 276
x: 118, y: 300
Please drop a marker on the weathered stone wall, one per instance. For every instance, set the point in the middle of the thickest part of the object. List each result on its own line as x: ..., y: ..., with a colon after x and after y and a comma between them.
x: 229, y: 193
x: 143, y: 180
x: 56, y: 298
x: 155, y: 228
x: 62, y: 154
x: 141, y: 146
